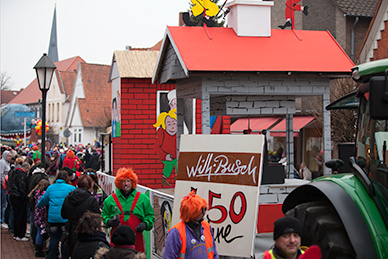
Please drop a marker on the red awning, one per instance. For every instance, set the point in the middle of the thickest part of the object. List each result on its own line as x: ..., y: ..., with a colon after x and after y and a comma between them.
x: 298, y: 122
x: 255, y: 124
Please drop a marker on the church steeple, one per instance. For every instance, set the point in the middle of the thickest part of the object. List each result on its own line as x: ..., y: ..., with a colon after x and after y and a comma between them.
x: 53, y: 46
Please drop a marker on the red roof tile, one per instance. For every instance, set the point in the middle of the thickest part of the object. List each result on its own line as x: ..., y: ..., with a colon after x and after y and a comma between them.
x: 69, y: 64
x: 67, y: 81
x: 95, y: 108
x: 32, y: 94
x: 8, y: 95
x: 157, y: 46
x: 317, y: 51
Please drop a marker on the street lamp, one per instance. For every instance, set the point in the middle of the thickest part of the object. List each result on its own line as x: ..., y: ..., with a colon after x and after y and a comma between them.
x: 44, y: 73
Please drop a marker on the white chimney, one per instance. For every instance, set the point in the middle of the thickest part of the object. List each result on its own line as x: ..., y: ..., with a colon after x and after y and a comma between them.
x: 250, y: 17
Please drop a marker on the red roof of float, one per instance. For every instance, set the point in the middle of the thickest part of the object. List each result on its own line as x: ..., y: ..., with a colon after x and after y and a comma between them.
x: 222, y: 50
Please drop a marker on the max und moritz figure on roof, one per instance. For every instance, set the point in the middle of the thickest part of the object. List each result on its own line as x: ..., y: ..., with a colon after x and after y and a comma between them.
x: 291, y: 7
x: 135, y: 209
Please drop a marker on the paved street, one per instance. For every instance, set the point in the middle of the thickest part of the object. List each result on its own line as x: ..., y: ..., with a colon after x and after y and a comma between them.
x: 12, y: 249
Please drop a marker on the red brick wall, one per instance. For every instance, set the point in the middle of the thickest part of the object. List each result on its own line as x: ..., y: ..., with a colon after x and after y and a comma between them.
x: 198, y: 119
x: 382, y: 50
x: 135, y: 147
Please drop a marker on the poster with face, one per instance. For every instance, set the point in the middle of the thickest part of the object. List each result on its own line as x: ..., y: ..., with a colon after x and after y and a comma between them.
x: 162, y: 205
x: 226, y: 171
x: 116, y: 109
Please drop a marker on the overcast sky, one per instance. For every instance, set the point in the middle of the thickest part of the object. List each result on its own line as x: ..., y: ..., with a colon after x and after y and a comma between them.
x: 91, y: 29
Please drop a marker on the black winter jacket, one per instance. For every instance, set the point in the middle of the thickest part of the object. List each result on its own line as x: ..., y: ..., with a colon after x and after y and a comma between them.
x: 19, y: 184
x: 35, y: 178
x: 87, y: 245
x: 75, y: 205
x: 122, y: 253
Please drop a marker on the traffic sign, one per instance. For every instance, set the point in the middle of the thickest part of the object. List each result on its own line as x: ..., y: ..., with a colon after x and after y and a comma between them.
x: 67, y: 133
x: 24, y: 114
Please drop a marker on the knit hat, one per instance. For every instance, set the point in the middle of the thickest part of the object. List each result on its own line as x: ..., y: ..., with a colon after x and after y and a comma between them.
x: 287, y: 225
x: 123, y: 235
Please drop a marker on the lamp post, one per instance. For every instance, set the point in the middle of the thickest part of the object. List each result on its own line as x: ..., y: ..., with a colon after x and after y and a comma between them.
x: 44, y: 73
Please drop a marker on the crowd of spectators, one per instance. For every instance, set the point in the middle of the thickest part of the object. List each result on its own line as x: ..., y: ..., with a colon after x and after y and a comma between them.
x: 28, y: 197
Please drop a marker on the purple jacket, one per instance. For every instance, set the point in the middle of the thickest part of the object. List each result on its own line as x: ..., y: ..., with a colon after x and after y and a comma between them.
x: 194, y: 249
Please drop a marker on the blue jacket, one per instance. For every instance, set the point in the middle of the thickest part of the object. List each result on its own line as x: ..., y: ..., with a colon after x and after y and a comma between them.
x: 54, y: 197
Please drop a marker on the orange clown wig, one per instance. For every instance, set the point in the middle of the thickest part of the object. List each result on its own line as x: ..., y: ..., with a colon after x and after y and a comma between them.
x: 70, y: 154
x: 125, y: 173
x: 191, y: 206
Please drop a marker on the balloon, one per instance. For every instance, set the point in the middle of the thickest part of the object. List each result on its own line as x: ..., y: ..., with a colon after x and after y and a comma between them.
x: 38, y: 127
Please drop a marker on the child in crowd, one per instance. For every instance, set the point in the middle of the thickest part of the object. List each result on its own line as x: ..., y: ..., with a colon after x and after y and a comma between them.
x: 40, y: 216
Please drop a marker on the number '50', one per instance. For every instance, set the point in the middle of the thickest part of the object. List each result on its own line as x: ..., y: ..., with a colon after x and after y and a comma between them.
x: 235, y: 217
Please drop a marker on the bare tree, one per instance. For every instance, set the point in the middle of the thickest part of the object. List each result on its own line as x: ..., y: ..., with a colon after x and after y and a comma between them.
x: 5, y: 81
x: 343, y: 122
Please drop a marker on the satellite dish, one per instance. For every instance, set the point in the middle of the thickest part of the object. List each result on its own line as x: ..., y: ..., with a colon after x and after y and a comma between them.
x: 67, y: 133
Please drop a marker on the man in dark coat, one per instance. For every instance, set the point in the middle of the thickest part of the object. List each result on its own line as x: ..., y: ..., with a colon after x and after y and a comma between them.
x: 92, y: 160
x: 18, y: 196
x: 76, y: 204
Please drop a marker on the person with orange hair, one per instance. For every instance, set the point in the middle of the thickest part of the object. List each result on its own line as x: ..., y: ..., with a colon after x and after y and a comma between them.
x: 71, y: 161
x: 71, y: 165
x: 192, y: 237
x: 127, y: 206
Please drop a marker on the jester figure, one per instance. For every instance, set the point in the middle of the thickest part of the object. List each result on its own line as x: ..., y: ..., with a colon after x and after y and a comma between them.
x: 291, y: 6
x: 18, y: 141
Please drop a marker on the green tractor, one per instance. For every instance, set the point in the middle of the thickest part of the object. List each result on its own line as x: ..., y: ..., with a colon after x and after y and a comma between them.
x: 346, y: 214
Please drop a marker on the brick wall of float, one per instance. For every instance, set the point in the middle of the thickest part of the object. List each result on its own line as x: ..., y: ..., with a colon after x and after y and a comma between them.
x: 135, y: 147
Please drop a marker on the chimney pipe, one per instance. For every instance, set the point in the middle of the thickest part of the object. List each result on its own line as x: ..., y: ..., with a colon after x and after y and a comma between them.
x: 250, y: 17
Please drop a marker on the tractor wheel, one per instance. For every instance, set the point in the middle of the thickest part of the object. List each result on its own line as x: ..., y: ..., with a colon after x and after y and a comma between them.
x: 322, y: 226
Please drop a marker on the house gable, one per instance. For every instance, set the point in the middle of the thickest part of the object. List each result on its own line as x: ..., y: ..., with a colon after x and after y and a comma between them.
x: 73, y: 100
x: 76, y: 121
x: 375, y: 43
x: 95, y: 99
x: 31, y: 94
x: 171, y: 66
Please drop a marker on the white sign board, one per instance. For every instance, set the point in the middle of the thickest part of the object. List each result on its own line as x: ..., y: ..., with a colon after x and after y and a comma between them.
x: 226, y: 171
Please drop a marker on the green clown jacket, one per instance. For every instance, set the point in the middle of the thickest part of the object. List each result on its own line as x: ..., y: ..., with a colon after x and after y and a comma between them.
x: 143, y: 209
